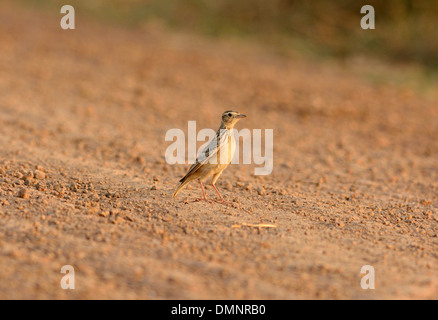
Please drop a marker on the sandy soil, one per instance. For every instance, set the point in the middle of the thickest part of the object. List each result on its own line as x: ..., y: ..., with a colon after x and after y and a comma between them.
x: 83, y: 180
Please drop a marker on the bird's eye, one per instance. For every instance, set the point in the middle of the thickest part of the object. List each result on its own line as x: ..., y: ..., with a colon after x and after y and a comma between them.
x: 229, y: 114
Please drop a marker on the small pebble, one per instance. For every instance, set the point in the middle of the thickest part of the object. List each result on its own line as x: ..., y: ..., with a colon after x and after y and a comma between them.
x: 261, y: 191
x: 39, y: 175
x: 23, y: 193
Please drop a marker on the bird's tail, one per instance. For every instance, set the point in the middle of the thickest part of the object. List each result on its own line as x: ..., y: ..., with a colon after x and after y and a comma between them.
x: 180, y: 187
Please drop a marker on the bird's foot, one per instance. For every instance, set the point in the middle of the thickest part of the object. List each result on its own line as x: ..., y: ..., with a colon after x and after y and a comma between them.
x: 222, y: 201
x: 202, y: 199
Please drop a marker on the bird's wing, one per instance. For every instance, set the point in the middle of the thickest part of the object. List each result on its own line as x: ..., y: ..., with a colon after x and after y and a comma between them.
x: 218, y: 142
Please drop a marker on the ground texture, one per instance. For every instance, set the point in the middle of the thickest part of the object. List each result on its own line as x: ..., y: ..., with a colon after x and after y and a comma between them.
x: 84, y: 182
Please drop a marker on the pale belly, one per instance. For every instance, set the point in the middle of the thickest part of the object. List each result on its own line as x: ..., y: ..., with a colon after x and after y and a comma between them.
x: 223, y: 160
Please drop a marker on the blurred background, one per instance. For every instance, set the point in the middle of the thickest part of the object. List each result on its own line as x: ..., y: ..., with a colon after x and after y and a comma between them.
x: 406, y: 30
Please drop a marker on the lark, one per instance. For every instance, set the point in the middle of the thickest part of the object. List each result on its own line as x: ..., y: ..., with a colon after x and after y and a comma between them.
x: 215, y: 157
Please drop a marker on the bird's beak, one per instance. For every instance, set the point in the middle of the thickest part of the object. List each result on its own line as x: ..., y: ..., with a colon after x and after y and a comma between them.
x: 240, y: 116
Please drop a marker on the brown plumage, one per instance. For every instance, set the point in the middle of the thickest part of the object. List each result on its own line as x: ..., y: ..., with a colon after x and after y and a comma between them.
x: 218, y: 154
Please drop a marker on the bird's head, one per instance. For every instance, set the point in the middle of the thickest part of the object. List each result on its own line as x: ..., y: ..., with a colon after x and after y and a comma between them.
x: 230, y: 118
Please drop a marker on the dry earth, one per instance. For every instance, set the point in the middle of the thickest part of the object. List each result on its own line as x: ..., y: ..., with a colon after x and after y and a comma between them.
x: 84, y: 182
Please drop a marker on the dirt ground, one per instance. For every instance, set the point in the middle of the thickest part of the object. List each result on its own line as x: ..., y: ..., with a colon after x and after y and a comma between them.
x: 84, y: 182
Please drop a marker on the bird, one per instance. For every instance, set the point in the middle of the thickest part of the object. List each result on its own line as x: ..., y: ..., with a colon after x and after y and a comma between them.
x: 215, y: 157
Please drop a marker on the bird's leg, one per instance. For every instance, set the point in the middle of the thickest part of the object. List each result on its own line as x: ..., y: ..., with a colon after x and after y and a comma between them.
x: 223, y: 200
x: 203, y: 193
